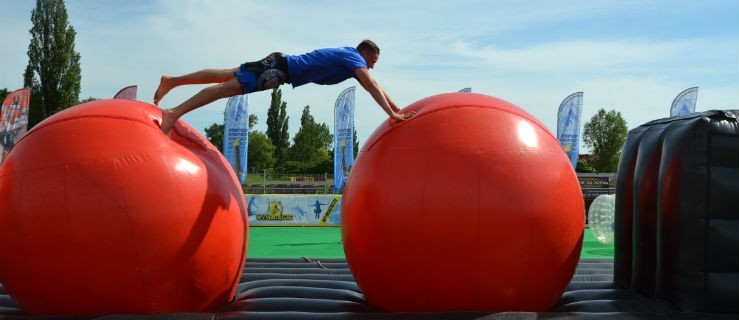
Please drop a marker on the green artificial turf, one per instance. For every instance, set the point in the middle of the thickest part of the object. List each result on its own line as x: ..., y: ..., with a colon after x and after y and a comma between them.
x: 295, y: 242
x: 325, y: 242
x: 592, y: 248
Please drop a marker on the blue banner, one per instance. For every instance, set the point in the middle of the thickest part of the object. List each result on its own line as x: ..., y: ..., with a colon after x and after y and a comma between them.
x: 286, y: 209
x: 343, y: 137
x: 568, y: 126
x: 684, y: 103
x: 236, y: 134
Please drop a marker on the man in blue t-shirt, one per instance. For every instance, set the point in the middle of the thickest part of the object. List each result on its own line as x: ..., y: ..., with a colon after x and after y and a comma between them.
x: 322, y: 66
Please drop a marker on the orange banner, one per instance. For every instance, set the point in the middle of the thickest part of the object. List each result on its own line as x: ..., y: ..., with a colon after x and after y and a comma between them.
x: 13, y: 120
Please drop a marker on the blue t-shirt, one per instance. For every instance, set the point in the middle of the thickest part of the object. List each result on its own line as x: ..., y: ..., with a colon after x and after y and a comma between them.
x: 324, y: 66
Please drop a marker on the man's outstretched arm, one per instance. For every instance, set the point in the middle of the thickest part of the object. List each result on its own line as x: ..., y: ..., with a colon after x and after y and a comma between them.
x: 380, y: 96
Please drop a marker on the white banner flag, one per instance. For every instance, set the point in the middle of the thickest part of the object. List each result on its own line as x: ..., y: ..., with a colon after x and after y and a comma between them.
x: 236, y: 134
x: 343, y: 137
x: 684, y: 103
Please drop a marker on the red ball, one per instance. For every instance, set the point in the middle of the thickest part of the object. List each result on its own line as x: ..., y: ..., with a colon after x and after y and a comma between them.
x: 102, y: 213
x: 471, y: 205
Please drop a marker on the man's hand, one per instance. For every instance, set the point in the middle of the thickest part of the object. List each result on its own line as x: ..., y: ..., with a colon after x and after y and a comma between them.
x: 403, y: 116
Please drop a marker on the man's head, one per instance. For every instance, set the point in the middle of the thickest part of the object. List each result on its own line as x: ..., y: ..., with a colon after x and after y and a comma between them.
x: 369, y: 51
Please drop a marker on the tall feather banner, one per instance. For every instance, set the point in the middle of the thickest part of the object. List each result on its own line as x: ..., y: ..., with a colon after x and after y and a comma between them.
x: 128, y: 93
x: 684, y: 103
x: 236, y: 134
x: 343, y: 137
x: 568, y: 126
x: 13, y: 120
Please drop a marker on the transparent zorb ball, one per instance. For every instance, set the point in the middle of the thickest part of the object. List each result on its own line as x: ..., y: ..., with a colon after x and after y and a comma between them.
x: 600, y: 217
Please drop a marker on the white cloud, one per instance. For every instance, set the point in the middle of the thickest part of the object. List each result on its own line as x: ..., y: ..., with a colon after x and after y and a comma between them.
x: 574, y: 56
x: 531, y: 53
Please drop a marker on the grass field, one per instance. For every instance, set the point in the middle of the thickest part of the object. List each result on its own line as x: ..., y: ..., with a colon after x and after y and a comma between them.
x: 325, y: 242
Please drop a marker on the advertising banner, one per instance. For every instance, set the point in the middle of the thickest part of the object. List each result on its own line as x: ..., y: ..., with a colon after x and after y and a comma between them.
x: 568, y: 126
x: 128, y: 93
x: 592, y: 182
x: 343, y: 137
x: 13, y: 119
x: 293, y: 210
x: 684, y: 103
x: 236, y: 134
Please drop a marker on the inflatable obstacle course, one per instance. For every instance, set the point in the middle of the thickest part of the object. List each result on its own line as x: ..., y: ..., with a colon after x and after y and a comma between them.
x: 677, y: 212
x: 675, y: 234
x: 325, y: 289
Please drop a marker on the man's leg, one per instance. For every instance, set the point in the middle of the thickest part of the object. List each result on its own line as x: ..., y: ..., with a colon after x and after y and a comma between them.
x: 167, y: 83
x: 229, y: 88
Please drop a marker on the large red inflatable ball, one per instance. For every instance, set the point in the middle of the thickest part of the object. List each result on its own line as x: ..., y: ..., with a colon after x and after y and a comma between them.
x: 471, y: 205
x: 102, y: 213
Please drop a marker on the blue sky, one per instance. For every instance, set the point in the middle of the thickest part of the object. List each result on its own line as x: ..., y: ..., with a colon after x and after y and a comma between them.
x: 629, y: 56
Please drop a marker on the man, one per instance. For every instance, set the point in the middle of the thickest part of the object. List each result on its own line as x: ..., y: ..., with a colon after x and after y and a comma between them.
x: 322, y: 66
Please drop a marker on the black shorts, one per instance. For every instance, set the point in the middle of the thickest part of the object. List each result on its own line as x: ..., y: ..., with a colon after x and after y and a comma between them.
x: 267, y: 73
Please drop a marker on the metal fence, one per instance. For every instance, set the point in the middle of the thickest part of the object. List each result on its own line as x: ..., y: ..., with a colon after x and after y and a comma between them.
x: 278, y: 183
x: 592, y: 185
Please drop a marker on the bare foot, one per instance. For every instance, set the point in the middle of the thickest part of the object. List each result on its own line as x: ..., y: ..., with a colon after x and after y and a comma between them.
x: 164, y: 86
x: 169, y: 118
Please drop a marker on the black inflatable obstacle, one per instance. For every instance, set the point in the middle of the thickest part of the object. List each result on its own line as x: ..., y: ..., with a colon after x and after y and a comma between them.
x: 677, y: 212
x: 300, y: 289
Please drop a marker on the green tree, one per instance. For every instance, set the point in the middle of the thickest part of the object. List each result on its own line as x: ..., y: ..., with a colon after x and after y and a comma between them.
x: 356, y: 143
x: 312, y: 142
x: 3, y: 93
x: 214, y: 133
x: 253, y: 119
x: 605, y: 134
x: 53, y: 72
x: 261, y: 152
x: 277, y: 127
x: 584, y: 167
